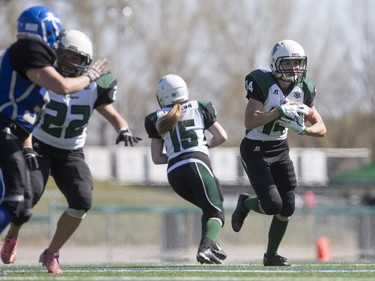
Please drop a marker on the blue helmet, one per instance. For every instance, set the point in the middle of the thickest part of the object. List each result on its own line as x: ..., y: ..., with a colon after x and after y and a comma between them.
x: 39, y: 22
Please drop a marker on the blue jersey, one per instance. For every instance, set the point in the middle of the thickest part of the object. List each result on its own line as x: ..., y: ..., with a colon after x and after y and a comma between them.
x: 20, y: 99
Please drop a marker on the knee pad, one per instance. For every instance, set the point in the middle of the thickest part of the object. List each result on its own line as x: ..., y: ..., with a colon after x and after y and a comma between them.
x: 78, y: 214
x: 273, y: 204
x: 23, y: 217
x: 289, y: 205
x: 288, y: 211
x: 23, y: 209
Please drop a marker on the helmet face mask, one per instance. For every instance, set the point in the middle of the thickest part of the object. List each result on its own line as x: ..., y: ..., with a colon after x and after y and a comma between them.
x: 171, y: 89
x: 41, y: 23
x: 74, y: 53
x: 288, y: 50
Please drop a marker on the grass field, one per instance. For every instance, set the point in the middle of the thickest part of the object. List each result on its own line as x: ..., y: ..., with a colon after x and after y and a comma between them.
x: 143, y: 270
x: 188, y: 272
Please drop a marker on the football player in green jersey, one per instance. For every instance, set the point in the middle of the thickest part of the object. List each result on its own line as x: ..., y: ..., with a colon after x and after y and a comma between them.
x: 180, y: 126
x: 278, y: 100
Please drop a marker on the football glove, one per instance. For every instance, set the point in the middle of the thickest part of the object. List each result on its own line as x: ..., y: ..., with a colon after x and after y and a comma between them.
x: 293, y: 110
x: 127, y: 137
x: 303, y: 109
x: 31, y: 157
x: 98, y: 69
x: 297, y: 124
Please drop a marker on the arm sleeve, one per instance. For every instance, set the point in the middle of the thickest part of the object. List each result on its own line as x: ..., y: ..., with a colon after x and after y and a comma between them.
x: 150, y: 127
x: 209, y: 113
x: 26, y: 54
x: 310, y: 98
x: 310, y: 92
x: 107, y: 90
x: 253, y: 90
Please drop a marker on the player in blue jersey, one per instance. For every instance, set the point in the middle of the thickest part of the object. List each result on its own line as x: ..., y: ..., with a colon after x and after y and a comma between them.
x: 59, y: 138
x: 180, y: 126
x: 25, y: 67
x: 278, y: 100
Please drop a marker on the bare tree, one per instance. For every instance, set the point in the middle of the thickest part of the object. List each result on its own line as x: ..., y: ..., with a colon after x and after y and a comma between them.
x: 8, y: 16
x: 213, y: 45
x: 364, y: 67
x: 239, y: 43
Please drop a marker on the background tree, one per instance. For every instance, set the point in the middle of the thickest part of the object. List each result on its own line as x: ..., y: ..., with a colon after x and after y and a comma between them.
x: 214, y: 44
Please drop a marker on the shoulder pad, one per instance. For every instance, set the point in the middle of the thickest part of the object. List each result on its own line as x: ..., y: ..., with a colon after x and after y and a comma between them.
x: 106, y: 80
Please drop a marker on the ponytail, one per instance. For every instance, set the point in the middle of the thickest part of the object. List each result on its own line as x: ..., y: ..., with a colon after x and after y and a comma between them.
x: 169, y: 121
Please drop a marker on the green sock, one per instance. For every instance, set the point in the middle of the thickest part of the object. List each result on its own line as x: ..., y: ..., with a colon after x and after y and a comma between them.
x: 252, y: 204
x: 275, y: 235
x: 212, y: 229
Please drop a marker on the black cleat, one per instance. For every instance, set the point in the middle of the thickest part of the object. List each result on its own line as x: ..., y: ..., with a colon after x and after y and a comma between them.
x: 208, y: 257
x: 206, y: 253
x: 239, y: 213
x: 218, y: 251
x: 275, y: 260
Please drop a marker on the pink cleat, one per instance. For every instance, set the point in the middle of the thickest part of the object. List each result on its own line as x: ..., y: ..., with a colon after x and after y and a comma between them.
x: 9, y: 250
x: 51, y: 262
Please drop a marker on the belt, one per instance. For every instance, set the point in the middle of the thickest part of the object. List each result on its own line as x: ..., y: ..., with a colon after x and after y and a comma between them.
x: 15, y: 128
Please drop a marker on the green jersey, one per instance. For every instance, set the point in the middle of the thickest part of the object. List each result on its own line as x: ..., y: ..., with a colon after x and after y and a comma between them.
x: 262, y: 86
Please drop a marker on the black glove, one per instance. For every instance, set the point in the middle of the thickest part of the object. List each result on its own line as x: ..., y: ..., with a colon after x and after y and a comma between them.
x: 30, y: 156
x: 127, y: 137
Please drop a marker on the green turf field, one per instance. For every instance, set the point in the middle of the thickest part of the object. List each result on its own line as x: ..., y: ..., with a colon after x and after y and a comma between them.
x: 114, y: 194
x: 188, y: 272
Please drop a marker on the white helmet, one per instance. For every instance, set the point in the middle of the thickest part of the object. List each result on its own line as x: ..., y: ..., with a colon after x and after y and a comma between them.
x: 171, y: 89
x: 288, y: 50
x: 77, y: 42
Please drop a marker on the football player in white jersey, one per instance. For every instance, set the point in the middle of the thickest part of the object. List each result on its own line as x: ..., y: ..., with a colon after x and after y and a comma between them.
x: 180, y: 126
x: 25, y: 67
x: 58, y: 140
x: 278, y: 100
